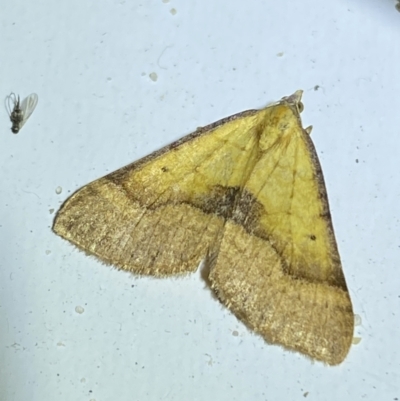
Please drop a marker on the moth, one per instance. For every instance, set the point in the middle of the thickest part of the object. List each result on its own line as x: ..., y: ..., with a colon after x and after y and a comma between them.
x: 18, y: 111
x: 247, y: 195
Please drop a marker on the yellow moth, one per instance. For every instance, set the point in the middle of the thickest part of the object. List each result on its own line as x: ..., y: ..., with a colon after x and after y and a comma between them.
x: 247, y: 195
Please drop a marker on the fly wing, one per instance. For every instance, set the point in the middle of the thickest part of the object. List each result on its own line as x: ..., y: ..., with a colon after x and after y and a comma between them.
x: 11, y: 103
x: 28, y: 106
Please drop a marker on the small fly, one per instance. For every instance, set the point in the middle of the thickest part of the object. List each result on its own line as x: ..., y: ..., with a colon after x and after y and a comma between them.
x: 18, y: 111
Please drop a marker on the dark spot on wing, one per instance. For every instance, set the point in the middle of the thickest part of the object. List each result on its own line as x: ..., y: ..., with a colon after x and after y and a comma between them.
x: 220, y: 201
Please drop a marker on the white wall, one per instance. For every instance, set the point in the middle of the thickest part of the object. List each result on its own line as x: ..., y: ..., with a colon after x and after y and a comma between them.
x: 144, y: 339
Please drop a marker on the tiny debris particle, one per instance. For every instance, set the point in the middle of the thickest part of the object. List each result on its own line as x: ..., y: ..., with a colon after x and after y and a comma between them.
x: 356, y: 340
x: 280, y: 54
x: 316, y: 87
x: 172, y: 11
x: 48, y: 252
x: 356, y: 160
x: 306, y: 394
x: 79, y: 309
x: 210, y: 361
x: 235, y: 333
x: 58, y: 190
x: 51, y: 211
x: 153, y: 76
x: 165, y: 1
